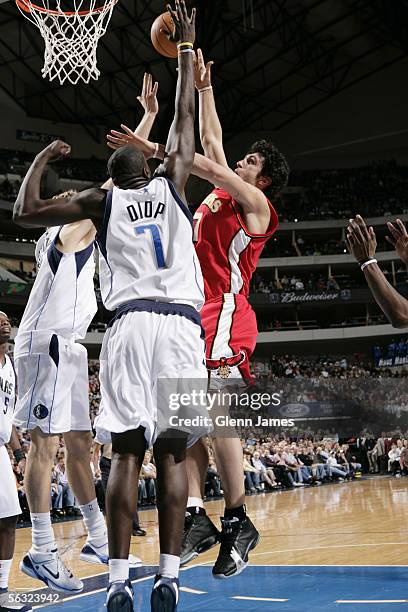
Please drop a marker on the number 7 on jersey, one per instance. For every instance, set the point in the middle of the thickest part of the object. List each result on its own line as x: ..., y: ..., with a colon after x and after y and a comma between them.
x: 157, y: 243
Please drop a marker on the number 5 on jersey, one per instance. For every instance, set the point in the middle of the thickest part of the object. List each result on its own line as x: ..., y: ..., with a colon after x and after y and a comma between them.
x: 157, y: 243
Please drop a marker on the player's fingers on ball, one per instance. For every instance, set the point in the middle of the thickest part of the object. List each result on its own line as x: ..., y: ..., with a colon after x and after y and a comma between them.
x: 183, y: 9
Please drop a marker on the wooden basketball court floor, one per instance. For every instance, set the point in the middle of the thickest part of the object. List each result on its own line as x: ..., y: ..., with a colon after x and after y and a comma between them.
x: 341, y: 546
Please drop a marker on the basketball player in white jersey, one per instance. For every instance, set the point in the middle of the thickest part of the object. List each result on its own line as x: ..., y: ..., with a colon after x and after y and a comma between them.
x: 9, y: 504
x: 150, y: 274
x: 54, y: 377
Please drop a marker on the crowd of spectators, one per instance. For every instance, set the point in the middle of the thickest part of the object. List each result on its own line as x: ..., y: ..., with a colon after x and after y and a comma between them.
x: 377, y: 189
x: 291, y: 459
x: 393, y: 354
x: 294, y: 282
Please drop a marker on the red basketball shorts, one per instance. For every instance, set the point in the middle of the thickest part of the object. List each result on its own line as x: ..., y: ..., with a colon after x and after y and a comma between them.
x: 230, y: 335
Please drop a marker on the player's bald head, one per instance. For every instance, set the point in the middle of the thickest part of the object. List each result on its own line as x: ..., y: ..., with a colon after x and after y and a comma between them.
x: 127, y: 165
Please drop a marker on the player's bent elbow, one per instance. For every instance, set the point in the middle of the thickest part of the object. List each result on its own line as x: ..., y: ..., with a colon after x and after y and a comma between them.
x: 23, y: 219
x: 18, y: 219
x: 399, y: 320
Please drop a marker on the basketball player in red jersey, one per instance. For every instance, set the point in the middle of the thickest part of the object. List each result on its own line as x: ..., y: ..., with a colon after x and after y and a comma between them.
x: 230, y: 233
x: 231, y: 228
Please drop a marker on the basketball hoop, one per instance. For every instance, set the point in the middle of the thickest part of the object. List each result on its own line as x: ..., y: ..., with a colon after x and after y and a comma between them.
x: 71, y: 38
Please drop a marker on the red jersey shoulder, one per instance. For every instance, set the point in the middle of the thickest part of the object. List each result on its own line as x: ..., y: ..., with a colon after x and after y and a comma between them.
x: 216, y: 199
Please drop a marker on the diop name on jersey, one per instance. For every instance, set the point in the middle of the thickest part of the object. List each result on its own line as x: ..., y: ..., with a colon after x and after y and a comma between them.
x: 145, y: 210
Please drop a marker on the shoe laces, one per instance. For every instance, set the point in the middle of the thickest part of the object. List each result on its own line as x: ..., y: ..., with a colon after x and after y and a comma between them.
x: 188, y: 521
x: 63, y: 568
x: 229, y: 532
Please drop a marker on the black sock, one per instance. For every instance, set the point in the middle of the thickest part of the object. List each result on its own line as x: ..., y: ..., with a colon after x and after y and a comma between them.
x: 239, y: 513
x: 194, y: 510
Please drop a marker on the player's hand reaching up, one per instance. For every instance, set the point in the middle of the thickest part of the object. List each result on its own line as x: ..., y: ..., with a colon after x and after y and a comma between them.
x: 184, y: 26
x: 56, y: 150
x: 202, y: 71
x: 127, y: 137
x: 361, y: 241
x: 148, y: 97
x: 399, y: 239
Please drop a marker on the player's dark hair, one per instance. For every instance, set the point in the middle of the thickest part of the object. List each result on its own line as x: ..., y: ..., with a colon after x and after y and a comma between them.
x: 125, y: 167
x: 275, y: 166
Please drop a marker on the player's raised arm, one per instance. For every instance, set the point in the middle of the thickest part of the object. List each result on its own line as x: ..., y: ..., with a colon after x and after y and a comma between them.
x: 362, y: 243
x: 210, y: 126
x: 30, y: 210
x: 180, y: 145
x: 250, y: 197
x: 148, y: 100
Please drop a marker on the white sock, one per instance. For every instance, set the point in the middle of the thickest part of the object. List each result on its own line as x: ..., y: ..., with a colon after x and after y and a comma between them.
x: 195, y: 501
x: 94, y: 523
x: 42, y: 534
x: 118, y: 570
x: 169, y: 566
x: 5, y: 567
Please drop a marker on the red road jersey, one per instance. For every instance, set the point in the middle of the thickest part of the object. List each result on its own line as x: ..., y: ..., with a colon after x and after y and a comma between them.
x: 227, y: 251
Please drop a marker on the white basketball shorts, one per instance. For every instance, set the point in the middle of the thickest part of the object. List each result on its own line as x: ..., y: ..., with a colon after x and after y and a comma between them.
x: 52, y: 379
x: 9, y: 504
x: 144, y: 355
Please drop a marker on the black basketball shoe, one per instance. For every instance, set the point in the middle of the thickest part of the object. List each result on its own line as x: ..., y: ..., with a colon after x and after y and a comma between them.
x: 165, y: 594
x: 200, y: 534
x: 238, y: 537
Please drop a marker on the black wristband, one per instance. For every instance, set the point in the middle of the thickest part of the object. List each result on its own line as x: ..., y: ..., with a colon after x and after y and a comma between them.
x: 19, y: 454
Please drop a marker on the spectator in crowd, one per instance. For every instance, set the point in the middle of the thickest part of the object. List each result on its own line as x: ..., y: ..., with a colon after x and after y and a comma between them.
x: 394, y: 458
x: 149, y: 474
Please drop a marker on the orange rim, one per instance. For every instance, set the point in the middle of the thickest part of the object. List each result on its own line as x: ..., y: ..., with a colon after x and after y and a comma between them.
x: 28, y: 6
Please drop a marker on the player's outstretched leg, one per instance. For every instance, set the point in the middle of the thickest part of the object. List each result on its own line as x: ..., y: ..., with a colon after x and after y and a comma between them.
x: 128, y: 450
x: 78, y: 445
x: 43, y: 561
x: 7, y: 541
x: 200, y: 533
x: 238, y: 536
x: 172, y: 491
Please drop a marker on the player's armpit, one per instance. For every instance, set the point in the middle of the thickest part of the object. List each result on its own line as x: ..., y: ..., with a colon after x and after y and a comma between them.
x: 76, y: 236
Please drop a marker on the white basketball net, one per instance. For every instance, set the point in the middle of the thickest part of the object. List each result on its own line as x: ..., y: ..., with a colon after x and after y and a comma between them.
x: 70, y: 40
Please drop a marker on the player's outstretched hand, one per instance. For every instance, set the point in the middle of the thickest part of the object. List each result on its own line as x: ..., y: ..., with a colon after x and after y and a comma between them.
x: 148, y: 97
x: 202, y: 71
x: 56, y: 150
x: 399, y: 239
x: 361, y: 241
x: 184, y: 26
x: 127, y: 137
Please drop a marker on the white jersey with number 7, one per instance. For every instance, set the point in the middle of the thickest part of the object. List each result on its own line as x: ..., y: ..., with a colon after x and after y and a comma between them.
x: 146, y: 247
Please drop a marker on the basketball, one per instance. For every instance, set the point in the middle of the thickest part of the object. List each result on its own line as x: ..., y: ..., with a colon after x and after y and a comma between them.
x: 161, y: 29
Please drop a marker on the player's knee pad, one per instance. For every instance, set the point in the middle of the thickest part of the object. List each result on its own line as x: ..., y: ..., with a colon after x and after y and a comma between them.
x: 130, y: 442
